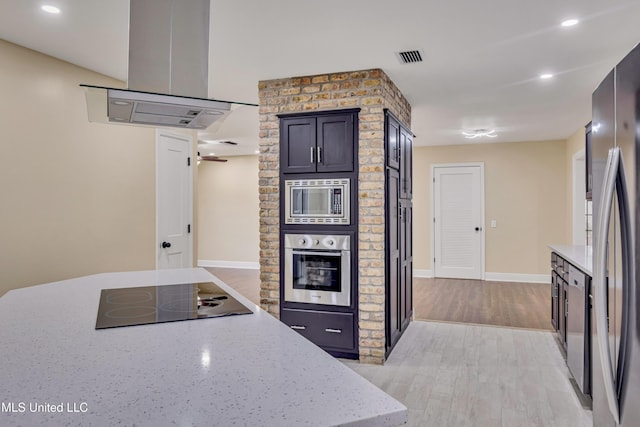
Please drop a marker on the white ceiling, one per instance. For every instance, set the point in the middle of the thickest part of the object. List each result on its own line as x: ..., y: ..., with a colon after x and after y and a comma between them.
x: 481, y: 68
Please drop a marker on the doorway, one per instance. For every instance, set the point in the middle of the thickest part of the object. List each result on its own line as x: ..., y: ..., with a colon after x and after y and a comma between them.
x: 458, y: 221
x: 174, y: 200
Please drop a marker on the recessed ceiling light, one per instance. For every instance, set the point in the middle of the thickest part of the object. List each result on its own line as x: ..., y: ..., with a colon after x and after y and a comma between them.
x: 476, y: 133
x: 50, y: 9
x: 569, y: 22
x: 257, y: 151
x: 546, y: 76
x: 212, y: 154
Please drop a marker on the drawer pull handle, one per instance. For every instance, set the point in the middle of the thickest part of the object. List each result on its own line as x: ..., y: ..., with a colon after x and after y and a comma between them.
x: 333, y: 331
x: 300, y: 328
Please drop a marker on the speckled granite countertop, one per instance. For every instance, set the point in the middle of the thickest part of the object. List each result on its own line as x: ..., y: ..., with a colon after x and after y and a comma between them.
x: 580, y: 256
x: 239, y: 370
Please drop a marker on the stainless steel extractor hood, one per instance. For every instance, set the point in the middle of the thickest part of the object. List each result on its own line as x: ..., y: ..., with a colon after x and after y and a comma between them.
x: 168, y: 70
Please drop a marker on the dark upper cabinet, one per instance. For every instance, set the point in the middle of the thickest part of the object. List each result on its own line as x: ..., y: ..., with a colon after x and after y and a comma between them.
x: 392, y: 146
x: 318, y: 143
x: 588, y: 168
x: 335, y: 144
x: 406, y: 163
x: 298, y: 146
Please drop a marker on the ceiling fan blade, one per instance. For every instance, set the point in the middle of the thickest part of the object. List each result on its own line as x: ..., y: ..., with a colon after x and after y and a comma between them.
x: 212, y: 159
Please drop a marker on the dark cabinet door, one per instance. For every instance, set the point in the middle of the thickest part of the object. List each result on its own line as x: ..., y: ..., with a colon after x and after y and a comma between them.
x: 406, y: 163
x: 554, y: 300
x: 587, y: 157
x: 562, y: 318
x: 392, y: 135
x: 335, y: 143
x: 393, y: 258
x: 406, y: 264
x: 298, y: 145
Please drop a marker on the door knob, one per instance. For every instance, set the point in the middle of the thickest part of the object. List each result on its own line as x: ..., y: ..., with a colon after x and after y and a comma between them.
x: 478, y: 228
x: 166, y: 245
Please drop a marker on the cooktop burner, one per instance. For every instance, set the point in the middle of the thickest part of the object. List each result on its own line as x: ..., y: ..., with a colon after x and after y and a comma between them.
x: 166, y: 303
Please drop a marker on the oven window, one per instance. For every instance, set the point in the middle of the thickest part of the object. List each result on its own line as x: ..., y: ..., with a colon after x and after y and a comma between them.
x: 317, y: 271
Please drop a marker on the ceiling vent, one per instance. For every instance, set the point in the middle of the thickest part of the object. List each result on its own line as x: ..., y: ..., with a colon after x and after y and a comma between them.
x: 409, y: 56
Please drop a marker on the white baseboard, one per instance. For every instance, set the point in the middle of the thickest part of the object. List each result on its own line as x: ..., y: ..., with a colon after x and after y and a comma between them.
x: 518, y: 277
x: 496, y: 277
x: 228, y: 264
x: 425, y: 274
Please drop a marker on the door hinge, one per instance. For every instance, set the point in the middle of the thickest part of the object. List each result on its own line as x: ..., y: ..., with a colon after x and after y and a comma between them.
x: 189, y: 228
x: 188, y: 161
x: 434, y: 180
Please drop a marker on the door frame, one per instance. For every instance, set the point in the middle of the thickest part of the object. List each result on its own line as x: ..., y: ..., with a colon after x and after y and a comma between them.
x: 163, y: 132
x: 434, y: 166
x: 578, y: 190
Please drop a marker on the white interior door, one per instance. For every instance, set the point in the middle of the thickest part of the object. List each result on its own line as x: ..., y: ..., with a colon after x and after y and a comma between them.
x: 174, y: 198
x: 458, y: 221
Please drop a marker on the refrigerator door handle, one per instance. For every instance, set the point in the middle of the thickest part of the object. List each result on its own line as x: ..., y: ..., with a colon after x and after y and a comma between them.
x: 600, y: 277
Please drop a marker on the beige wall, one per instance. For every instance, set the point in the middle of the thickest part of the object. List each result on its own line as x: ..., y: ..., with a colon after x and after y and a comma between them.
x: 525, y: 193
x: 78, y: 198
x: 228, y: 210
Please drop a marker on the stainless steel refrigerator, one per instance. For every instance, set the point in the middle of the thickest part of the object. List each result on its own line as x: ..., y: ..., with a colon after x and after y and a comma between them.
x: 615, y: 321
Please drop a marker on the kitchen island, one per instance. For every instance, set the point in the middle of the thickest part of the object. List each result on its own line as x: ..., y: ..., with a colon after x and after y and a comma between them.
x: 57, y: 369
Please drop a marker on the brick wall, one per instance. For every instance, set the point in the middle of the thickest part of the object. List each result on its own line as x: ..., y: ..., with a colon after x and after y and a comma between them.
x: 372, y: 91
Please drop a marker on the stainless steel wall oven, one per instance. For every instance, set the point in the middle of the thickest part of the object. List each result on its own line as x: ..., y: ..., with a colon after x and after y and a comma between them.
x: 317, y: 269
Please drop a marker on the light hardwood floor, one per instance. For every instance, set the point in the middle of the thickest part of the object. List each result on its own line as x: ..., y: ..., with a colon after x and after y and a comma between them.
x: 451, y: 374
x: 516, y: 305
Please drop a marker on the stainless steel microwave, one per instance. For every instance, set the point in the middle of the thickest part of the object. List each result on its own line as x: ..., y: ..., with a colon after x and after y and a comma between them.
x: 317, y: 201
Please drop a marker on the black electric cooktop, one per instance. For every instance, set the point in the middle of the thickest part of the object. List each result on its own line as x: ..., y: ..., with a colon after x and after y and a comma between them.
x: 166, y: 303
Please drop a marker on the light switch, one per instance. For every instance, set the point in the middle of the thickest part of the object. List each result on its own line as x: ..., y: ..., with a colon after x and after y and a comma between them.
x: 494, y: 223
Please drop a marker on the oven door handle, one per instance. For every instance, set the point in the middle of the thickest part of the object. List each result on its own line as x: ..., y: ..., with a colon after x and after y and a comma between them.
x: 334, y: 254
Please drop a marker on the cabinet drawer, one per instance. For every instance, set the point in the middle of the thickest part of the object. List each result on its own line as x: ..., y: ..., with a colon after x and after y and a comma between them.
x: 576, y: 277
x: 323, y: 328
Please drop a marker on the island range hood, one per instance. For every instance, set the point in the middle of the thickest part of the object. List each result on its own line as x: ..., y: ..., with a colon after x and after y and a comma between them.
x: 168, y: 70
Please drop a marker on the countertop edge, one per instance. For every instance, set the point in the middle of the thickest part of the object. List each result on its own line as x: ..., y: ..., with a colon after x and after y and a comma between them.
x: 580, y: 256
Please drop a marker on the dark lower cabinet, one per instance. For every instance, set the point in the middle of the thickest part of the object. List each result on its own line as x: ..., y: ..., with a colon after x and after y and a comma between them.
x: 332, y: 331
x: 571, y: 317
x: 399, y: 260
x: 393, y: 270
x: 406, y: 262
x: 554, y: 300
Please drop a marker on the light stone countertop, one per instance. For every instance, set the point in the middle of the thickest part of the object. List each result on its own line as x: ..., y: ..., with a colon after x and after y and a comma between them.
x: 580, y: 256
x: 229, y: 371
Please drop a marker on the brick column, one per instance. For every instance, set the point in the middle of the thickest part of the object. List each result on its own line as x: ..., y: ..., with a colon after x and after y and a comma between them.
x: 372, y: 91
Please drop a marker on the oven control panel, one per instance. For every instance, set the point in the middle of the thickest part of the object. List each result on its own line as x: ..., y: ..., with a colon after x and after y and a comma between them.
x: 317, y: 241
